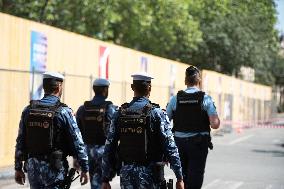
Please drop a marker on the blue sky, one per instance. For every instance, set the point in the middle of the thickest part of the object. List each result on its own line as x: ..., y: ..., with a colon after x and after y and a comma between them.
x: 280, y: 10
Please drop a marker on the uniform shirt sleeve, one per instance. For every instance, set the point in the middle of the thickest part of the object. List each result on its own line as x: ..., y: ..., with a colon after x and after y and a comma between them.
x: 109, y: 115
x: 110, y: 112
x: 110, y: 152
x: 77, y: 140
x: 169, y: 144
x: 209, y: 105
x: 20, y: 142
x: 171, y: 107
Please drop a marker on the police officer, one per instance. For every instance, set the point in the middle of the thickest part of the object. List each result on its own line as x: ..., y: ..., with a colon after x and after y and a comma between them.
x: 193, y: 112
x: 144, y: 135
x: 94, y: 118
x: 47, y: 134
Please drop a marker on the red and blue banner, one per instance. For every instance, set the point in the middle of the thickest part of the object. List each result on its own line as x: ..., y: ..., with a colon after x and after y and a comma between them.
x: 104, y: 53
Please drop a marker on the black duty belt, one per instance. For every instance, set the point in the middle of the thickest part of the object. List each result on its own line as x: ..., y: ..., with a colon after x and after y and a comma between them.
x: 195, y: 138
x: 42, y: 157
x: 135, y: 163
x: 39, y: 157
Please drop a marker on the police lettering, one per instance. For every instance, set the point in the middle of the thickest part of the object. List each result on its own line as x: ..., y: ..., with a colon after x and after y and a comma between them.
x: 188, y: 101
x: 137, y: 130
x: 46, y: 114
x: 44, y: 125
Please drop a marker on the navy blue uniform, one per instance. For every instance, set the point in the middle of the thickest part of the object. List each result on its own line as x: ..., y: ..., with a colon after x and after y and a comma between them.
x: 95, y: 152
x: 134, y: 175
x: 40, y: 173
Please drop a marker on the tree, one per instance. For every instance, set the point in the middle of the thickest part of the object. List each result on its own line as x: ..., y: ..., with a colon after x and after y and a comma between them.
x: 235, y: 34
x: 218, y: 35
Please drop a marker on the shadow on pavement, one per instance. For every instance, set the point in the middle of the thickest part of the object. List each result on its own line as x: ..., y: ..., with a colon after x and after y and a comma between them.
x: 275, y: 153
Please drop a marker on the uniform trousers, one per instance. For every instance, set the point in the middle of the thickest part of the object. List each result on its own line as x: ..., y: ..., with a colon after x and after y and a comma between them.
x: 133, y: 176
x: 42, y: 176
x: 193, y: 153
x: 95, y: 153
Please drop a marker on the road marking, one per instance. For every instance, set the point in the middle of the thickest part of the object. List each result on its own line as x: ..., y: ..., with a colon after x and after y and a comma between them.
x: 276, y: 141
x: 240, y: 139
x: 217, y: 183
x: 236, y: 185
x: 214, y: 182
x: 268, y: 187
x: 77, y: 186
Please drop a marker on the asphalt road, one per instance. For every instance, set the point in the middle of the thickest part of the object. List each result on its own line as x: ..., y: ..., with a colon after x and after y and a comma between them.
x: 251, y: 159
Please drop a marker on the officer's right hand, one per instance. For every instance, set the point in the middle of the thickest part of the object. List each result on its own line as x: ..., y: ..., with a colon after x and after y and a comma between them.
x: 106, y: 185
x: 20, y: 177
x: 76, y: 164
x: 179, y: 184
x: 84, y: 178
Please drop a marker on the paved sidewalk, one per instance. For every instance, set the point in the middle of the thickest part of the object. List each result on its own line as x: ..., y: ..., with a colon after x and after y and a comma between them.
x: 6, y: 176
x: 7, y: 172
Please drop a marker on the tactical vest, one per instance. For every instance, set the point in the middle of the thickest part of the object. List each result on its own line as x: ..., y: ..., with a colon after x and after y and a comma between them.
x: 189, y: 115
x: 41, y: 135
x: 94, y: 123
x: 139, y: 141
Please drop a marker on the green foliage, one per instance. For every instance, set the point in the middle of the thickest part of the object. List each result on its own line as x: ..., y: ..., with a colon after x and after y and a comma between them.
x: 220, y: 35
x: 237, y: 33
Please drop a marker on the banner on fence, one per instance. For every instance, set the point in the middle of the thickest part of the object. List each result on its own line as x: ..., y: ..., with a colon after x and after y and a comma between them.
x: 104, y: 53
x: 144, y: 64
x: 37, y: 63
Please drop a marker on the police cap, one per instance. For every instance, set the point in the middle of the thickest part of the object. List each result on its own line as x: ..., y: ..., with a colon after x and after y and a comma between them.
x: 54, y: 76
x: 142, y: 76
x: 100, y: 82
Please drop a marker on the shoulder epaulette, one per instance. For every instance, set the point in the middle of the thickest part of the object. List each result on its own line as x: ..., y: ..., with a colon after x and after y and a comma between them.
x: 87, y: 103
x: 60, y: 105
x: 107, y: 103
x: 125, y: 105
x: 63, y: 105
x: 154, y: 105
x: 34, y: 103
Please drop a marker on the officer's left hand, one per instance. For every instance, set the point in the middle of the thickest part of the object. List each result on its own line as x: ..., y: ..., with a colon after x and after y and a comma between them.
x: 76, y: 164
x: 20, y: 177
x: 84, y: 178
x: 105, y: 185
x: 179, y: 184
